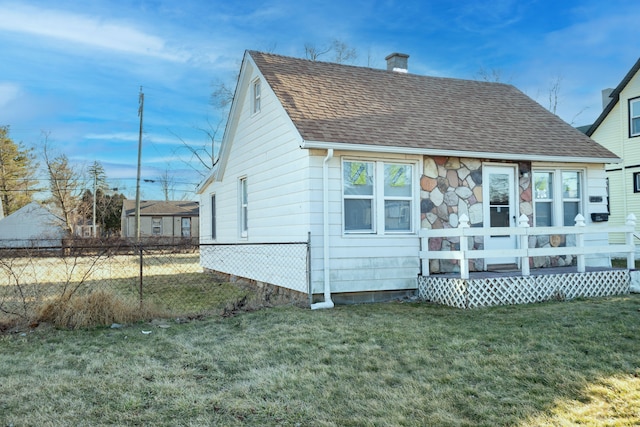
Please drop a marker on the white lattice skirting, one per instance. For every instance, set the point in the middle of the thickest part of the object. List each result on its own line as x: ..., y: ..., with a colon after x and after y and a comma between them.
x: 484, y: 292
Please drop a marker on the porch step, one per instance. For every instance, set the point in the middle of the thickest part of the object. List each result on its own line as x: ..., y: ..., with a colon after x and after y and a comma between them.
x: 502, y: 268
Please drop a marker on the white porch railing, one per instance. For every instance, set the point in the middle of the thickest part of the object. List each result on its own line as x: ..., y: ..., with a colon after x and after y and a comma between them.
x: 524, y: 252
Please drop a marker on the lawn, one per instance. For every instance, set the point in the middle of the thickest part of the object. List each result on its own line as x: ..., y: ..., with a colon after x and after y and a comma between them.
x: 392, y: 364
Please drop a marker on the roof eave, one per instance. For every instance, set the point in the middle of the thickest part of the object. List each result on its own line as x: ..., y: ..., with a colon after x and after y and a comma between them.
x: 384, y: 149
x: 615, y: 97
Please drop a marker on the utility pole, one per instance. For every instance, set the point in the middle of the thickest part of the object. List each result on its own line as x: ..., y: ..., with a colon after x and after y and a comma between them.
x: 95, y: 184
x: 140, y: 113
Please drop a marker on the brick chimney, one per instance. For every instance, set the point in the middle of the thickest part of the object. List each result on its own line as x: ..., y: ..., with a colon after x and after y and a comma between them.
x: 397, y: 62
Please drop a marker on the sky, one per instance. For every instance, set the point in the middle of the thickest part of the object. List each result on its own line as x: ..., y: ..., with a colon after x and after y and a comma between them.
x: 71, y: 72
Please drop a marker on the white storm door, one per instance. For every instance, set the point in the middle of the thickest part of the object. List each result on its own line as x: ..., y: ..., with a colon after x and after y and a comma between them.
x: 499, y: 194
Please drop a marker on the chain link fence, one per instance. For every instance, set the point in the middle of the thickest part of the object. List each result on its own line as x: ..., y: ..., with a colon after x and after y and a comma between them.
x: 96, y: 282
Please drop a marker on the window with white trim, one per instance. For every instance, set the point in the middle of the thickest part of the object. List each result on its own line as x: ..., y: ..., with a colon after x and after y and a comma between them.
x: 634, y: 117
x: 256, y: 96
x: 557, y: 197
x: 244, y: 205
x: 156, y: 226
x: 377, y: 197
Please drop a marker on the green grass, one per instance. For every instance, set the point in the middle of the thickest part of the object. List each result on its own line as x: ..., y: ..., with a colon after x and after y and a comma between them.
x: 388, y: 364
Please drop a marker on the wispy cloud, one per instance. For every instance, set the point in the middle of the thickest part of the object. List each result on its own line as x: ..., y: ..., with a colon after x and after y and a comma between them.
x: 85, y: 30
x: 8, y: 93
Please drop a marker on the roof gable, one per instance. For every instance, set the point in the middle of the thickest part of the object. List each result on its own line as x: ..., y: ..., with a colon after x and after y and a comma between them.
x: 615, y: 97
x: 344, y: 104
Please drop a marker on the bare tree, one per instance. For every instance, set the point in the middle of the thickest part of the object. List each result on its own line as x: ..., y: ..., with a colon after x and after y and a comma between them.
x: 554, y: 93
x: 168, y: 184
x: 313, y: 52
x: 64, y: 185
x: 493, y: 75
x: 342, y: 52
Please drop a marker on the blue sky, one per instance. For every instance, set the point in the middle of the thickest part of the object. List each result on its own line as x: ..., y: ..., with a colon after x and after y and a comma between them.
x: 72, y: 70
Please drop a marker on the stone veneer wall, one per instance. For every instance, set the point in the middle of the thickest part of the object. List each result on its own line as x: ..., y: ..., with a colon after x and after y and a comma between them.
x: 452, y: 186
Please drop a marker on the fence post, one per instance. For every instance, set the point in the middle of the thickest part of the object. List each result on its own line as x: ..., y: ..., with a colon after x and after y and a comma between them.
x: 464, y: 246
x: 580, y: 242
x: 140, y: 276
x: 631, y: 255
x: 523, y: 222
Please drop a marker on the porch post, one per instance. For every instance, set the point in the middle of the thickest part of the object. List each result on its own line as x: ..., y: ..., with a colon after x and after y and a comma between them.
x: 580, y: 242
x: 464, y: 246
x: 523, y: 222
x: 424, y: 247
x: 631, y: 255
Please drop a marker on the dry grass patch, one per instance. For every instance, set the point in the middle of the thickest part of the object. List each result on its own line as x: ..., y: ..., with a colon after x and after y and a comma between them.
x: 97, y: 308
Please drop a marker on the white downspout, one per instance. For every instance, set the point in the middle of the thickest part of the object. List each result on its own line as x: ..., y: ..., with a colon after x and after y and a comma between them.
x: 327, y: 303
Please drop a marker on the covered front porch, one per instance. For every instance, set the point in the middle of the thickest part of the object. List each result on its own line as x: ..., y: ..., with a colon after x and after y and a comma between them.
x: 518, y: 283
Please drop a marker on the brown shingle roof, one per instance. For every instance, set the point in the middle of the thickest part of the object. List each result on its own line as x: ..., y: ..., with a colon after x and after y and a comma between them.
x: 356, y: 105
x: 162, y: 208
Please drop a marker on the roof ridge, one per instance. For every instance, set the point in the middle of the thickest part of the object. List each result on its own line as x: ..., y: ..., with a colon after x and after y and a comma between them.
x: 382, y: 71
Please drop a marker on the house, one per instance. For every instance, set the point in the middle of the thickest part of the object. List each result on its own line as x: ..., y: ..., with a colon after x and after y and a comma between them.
x: 618, y: 129
x: 357, y: 160
x: 170, y: 221
x: 32, y: 225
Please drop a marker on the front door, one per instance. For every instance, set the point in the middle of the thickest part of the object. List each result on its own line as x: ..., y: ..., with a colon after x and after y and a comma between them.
x: 499, y: 193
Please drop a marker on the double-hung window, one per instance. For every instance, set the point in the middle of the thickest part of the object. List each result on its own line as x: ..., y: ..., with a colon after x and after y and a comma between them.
x: 634, y: 117
x: 156, y: 226
x: 244, y: 207
x: 558, y: 197
x: 377, y: 197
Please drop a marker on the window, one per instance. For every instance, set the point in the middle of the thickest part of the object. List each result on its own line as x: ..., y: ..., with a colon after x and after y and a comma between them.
x: 634, y: 117
x: 256, y: 97
x: 636, y: 183
x: 557, y: 196
x: 397, y: 197
x: 244, y: 223
x: 543, y: 189
x: 571, y: 193
x: 213, y: 217
x: 358, y: 196
x: 363, y: 182
x: 186, y: 227
x: 156, y: 226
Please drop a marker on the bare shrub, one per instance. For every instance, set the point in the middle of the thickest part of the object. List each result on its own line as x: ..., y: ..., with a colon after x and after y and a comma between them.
x: 94, y: 309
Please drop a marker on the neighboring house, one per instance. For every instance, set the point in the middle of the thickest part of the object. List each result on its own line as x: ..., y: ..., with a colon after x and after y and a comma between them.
x: 618, y: 129
x: 169, y: 221
x: 357, y: 160
x: 32, y: 225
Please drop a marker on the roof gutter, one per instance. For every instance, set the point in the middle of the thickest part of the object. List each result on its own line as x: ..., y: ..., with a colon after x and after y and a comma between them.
x: 327, y: 303
x: 454, y: 153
